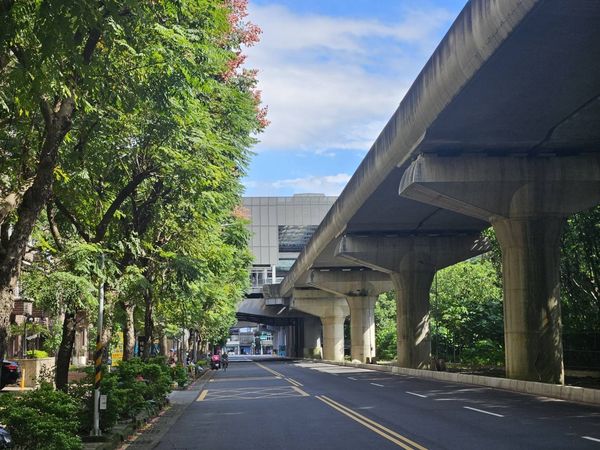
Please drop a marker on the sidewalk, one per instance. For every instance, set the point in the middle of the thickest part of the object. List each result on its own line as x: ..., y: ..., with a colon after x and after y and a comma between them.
x: 150, y: 435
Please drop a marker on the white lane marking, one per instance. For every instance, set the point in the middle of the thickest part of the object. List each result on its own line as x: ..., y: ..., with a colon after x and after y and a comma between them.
x: 375, y: 384
x: 482, y: 411
x: 352, y: 378
x: 590, y: 438
x: 418, y: 395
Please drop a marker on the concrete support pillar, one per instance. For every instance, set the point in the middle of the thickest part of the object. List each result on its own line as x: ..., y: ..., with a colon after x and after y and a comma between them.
x: 526, y: 199
x: 412, y: 316
x: 532, y: 324
x: 332, y: 311
x: 333, y: 337
x: 312, y: 347
x: 360, y: 287
x: 362, y: 328
x: 411, y: 262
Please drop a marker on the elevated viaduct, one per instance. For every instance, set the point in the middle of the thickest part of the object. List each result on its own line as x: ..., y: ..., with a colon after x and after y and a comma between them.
x: 501, y: 128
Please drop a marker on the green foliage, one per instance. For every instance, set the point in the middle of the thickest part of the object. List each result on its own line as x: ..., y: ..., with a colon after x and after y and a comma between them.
x: 42, y: 419
x: 385, y: 326
x: 580, y: 273
x: 467, y: 317
x: 132, y: 387
x: 37, y: 354
x: 149, y: 170
x: 467, y: 321
x: 179, y: 375
x: 61, y: 291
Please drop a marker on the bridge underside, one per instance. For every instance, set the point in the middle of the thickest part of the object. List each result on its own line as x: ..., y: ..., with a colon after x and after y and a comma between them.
x: 500, y: 128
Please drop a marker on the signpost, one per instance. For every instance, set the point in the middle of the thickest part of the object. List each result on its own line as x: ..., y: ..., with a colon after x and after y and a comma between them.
x: 98, y: 357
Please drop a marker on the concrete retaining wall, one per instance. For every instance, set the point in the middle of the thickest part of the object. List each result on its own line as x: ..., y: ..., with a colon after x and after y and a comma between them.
x: 569, y: 393
x: 32, y: 369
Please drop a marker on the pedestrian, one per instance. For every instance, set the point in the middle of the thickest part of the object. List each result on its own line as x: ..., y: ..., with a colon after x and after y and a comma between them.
x: 225, y: 361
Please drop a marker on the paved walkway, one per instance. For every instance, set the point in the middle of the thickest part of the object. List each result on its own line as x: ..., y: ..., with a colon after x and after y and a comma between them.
x: 150, y: 435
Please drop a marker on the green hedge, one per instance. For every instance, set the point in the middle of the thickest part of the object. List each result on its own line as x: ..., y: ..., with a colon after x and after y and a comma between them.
x: 53, y: 420
x: 42, y: 419
x: 133, y: 386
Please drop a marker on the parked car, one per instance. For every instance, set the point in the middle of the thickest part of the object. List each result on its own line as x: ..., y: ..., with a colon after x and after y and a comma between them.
x: 10, y: 373
x: 5, y: 439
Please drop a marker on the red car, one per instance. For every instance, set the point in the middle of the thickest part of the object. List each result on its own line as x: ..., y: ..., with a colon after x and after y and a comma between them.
x: 10, y: 373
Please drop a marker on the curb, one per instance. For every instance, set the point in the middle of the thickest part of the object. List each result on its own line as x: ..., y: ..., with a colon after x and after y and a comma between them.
x: 149, y: 437
x: 558, y: 391
x: 118, y: 438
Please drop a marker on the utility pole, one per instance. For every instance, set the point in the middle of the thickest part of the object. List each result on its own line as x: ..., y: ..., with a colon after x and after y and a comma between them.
x: 98, y: 354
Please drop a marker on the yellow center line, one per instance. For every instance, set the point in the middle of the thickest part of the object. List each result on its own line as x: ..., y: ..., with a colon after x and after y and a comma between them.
x: 202, y: 395
x: 372, y: 425
x: 274, y: 372
x: 294, y: 382
x: 300, y: 391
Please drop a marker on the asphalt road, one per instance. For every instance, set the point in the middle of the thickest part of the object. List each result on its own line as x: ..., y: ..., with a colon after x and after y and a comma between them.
x: 301, y: 405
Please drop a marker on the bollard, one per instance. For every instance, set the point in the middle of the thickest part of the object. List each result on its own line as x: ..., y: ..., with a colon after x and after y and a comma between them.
x: 22, y: 379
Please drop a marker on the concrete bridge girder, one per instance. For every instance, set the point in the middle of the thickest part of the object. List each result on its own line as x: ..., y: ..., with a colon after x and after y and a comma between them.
x: 411, y: 262
x: 332, y: 311
x: 361, y: 289
x: 526, y: 199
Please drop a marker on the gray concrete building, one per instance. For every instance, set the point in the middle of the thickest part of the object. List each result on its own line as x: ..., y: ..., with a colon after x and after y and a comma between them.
x: 280, y: 228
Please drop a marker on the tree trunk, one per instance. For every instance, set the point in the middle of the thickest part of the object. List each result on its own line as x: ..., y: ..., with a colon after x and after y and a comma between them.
x: 65, y: 350
x: 164, y: 350
x: 195, y: 346
x: 58, y: 123
x: 128, y: 331
x: 148, y: 324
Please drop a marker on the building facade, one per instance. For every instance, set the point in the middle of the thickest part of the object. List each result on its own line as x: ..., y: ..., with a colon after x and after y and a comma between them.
x: 280, y: 227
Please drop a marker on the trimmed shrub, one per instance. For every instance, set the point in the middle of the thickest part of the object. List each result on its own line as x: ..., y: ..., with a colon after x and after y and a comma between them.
x: 42, y: 419
x: 37, y: 354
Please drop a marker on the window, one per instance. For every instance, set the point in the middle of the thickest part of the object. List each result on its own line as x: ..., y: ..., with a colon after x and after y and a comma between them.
x: 293, y: 238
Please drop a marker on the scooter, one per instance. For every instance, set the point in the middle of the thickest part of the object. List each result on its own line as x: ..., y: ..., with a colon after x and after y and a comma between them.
x: 215, y: 362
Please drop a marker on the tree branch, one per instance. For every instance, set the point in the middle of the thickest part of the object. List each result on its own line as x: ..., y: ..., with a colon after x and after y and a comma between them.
x: 90, y: 45
x: 53, y: 227
x: 71, y: 218
x: 46, y: 112
x: 11, y: 201
x: 118, y: 201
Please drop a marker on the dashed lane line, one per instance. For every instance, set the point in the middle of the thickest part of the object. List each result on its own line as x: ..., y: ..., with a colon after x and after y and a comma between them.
x: 483, y: 412
x: 416, y: 395
x: 589, y: 438
x: 376, y: 384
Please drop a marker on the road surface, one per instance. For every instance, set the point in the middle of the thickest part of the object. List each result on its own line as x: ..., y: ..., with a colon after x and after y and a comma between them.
x: 299, y: 405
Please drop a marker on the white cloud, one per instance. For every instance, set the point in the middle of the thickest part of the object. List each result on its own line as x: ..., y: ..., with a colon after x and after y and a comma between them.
x: 328, y: 185
x: 332, y: 83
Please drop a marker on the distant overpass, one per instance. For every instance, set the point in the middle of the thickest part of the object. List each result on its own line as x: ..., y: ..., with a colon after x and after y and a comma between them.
x: 501, y: 127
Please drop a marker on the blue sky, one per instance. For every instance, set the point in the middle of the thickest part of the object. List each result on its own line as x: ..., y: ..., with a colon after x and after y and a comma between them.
x: 332, y: 72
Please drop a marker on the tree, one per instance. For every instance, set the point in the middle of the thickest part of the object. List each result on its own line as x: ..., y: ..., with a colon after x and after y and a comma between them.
x: 466, y: 323
x: 385, y: 326
x: 65, y: 288
x: 56, y: 59
x: 580, y: 289
x: 161, y: 114
x: 467, y: 317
